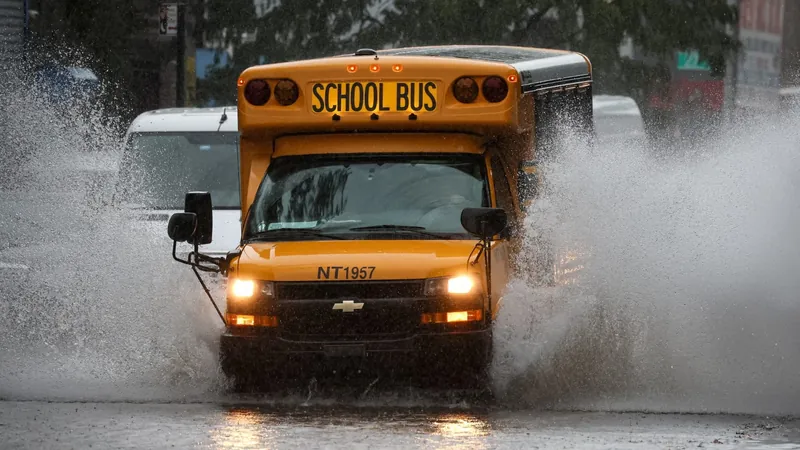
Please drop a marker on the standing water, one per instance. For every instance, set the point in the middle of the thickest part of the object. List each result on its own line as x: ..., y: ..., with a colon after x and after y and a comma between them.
x: 686, y: 301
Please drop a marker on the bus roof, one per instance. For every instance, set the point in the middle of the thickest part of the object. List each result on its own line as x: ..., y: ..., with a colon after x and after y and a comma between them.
x: 185, y: 119
x: 538, y: 68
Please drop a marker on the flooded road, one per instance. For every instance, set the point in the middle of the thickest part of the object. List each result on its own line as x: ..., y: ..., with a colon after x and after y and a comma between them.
x: 687, y: 304
x: 243, y: 426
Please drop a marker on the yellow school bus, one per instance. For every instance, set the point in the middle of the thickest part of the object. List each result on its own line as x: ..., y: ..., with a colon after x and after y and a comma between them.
x: 382, y: 194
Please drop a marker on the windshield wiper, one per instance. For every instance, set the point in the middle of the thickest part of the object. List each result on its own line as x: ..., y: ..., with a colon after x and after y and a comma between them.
x: 290, y: 231
x: 408, y: 228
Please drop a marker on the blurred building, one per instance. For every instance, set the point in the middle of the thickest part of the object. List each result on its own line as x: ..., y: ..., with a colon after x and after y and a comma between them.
x: 13, y: 23
x: 695, y: 101
x: 756, y: 80
x: 790, y: 67
x: 765, y: 77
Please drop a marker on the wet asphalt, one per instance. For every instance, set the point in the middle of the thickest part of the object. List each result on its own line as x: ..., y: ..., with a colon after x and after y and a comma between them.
x: 245, y: 426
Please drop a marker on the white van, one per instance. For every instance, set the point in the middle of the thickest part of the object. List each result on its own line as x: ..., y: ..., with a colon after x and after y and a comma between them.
x: 169, y: 152
x: 618, y: 120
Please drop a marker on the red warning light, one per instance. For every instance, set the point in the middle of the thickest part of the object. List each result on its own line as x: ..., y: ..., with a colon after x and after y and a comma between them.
x: 494, y: 89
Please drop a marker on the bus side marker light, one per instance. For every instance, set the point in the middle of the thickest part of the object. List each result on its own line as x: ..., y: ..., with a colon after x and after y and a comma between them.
x: 249, y: 320
x: 452, y: 317
x: 458, y: 316
x: 244, y: 320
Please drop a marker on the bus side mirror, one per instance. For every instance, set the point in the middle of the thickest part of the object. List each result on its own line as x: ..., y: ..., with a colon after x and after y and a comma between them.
x: 181, y: 226
x: 484, y: 222
x: 199, y: 203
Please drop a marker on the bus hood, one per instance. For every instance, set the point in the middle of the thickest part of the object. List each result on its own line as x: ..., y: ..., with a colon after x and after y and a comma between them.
x: 372, y: 260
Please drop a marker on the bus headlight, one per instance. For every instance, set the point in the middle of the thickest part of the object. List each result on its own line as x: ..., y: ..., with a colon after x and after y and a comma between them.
x: 243, y: 289
x: 459, y: 285
x: 456, y: 285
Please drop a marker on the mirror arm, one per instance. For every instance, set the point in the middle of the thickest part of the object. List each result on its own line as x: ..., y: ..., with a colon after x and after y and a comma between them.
x: 199, y: 257
x: 221, y: 263
x: 486, y: 242
x: 487, y: 255
x: 470, y: 260
x: 188, y: 261
x: 196, y: 267
x: 208, y: 293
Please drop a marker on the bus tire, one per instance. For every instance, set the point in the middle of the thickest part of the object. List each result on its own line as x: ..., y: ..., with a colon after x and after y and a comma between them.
x: 477, y: 368
x: 242, y: 375
x: 465, y: 367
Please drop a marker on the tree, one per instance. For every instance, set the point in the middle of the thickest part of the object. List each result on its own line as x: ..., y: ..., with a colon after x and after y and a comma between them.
x: 310, y: 28
x: 297, y: 29
x: 106, y: 36
x: 593, y: 27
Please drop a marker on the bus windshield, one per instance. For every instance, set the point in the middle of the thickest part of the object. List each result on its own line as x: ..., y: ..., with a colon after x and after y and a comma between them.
x: 159, y: 168
x: 350, y: 195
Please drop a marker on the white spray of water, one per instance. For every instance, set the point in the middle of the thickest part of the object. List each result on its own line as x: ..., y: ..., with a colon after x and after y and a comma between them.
x: 91, y: 304
x: 688, y: 300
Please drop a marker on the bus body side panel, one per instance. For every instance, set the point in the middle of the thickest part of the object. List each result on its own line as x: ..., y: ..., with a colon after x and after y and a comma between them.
x: 254, y: 157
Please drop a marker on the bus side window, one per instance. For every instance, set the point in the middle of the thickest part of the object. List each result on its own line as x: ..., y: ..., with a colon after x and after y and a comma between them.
x: 502, y: 190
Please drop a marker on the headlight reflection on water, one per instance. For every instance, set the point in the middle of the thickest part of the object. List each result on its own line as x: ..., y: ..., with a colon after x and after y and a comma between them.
x: 242, y: 428
x: 459, y: 431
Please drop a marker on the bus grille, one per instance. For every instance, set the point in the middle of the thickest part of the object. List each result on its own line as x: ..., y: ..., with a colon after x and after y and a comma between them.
x: 347, y: 290
x: 391, y: 310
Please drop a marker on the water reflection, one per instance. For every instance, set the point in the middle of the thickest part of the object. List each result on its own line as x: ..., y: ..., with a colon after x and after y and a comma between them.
x: 459, y: 431
x: 254, y: 427
x: 242, y: 428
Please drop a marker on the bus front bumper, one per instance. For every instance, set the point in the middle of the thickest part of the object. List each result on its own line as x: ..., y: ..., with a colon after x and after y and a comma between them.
x: 268, y: 349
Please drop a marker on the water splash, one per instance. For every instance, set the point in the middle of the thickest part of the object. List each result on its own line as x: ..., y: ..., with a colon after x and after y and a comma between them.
x: 688, y: 296
x: 94, y: 308
x: 687, y: 301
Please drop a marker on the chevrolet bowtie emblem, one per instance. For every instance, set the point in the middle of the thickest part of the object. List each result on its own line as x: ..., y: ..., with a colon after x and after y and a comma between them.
x: 347, y: 306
